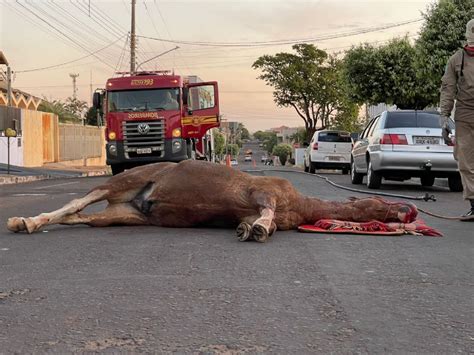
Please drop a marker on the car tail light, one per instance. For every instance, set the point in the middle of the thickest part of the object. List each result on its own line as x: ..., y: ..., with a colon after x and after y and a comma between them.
x: 399, y: 139
x: 315, y: 146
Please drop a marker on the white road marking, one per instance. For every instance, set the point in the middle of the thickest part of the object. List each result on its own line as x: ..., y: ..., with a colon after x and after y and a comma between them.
x: 66, y: 183
x: 4, y: 249
x: 29, y: 194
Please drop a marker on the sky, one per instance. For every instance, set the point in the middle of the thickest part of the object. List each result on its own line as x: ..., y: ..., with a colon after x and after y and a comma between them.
x: 91, y: 37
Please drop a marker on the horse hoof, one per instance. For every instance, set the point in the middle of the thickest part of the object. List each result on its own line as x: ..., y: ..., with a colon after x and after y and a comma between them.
x: 16, y: 224
x: 243, y: 231
x: 259, y: 233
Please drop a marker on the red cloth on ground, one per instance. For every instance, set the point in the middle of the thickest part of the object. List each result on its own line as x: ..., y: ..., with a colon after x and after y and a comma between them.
x: 418, y: 227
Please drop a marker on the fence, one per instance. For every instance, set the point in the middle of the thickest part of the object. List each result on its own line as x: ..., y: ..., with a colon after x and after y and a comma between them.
x: 42, y: 139
x: 79, y: 142
x: 10, y: 117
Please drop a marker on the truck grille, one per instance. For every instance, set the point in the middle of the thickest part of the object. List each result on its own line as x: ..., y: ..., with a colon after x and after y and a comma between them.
x: 139, y: 137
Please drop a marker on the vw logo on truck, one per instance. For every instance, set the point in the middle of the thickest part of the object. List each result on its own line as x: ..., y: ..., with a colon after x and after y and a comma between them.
x: 143, y: 128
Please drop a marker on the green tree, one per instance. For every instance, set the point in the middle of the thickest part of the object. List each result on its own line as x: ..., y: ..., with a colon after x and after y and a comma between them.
x: 347, y: 119
x: 75, y: 106
x: 219, y: 143
x: 299, y: 137
x: 442, y: 33
x: 304, y: 81
x: 91, y: 117
x: 58, y: 108
x: 384, y: 74
x: 233, y: 149
x: 244, y: 133
x: 259, y: 135
x: 282, y: 151
x: 270, y: 140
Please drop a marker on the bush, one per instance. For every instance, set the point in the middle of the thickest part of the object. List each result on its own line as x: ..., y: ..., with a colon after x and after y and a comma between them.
x: 282, y: 151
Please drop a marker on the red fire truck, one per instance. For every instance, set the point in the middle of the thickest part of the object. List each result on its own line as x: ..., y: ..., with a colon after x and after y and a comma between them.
x: 155, y: 117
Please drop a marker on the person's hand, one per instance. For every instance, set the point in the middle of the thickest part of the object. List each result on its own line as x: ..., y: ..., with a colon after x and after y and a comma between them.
x: 446, y: 131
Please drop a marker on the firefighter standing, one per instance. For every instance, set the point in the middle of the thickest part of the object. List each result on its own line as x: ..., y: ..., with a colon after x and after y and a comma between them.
x: 458, y: 85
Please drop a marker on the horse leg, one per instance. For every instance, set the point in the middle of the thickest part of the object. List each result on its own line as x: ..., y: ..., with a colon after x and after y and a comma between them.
x: 244, y: 229
x: 32, y: 224
x: 115, y: 214
x: 264, y: 226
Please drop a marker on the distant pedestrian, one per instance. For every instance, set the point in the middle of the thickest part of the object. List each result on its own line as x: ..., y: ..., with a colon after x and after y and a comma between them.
x: 458, y: 87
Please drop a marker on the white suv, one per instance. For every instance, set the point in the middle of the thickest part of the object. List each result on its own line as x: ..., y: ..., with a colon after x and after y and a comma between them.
x: 328, y: 150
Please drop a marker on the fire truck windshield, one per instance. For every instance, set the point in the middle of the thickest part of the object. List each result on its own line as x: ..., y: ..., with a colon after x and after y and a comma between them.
x: 143, y: 100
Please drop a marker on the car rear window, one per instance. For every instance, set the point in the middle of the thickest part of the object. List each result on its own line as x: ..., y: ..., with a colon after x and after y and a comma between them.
x: 337, y: 137
x: 412, y: 119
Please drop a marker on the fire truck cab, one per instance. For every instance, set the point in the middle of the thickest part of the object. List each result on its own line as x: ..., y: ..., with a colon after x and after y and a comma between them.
x: 154, y: 117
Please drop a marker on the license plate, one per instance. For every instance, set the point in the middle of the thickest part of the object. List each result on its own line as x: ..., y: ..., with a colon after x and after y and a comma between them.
x: 143, y: 150
x: 426, y: 140
x: 334, y: 158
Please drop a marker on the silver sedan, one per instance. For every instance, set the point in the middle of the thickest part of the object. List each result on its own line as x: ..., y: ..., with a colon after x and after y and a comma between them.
x: 399, y: 145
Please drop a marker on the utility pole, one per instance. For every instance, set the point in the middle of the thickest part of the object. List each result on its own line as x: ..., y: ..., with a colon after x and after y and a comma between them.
x: 90, y: 89
x: 74, y: 87
x: 9, y: 86
x: 132, y: 40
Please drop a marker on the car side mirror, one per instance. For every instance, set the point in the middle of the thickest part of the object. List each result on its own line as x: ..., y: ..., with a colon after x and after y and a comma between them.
x: 97, y: 100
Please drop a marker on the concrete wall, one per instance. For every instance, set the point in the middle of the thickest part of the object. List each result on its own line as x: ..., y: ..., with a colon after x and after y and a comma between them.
x: 299, y: 154
x: 82, y: 144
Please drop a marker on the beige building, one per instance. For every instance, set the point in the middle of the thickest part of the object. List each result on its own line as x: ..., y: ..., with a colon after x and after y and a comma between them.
x: 284, y: 133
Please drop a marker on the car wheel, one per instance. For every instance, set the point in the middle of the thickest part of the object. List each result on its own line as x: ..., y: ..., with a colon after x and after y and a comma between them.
x: 427, y: 180
x: 455, y: 183
x: 345, y: 171
x: 356, y: 178
x: 117, y: 168
x: 306, y: 169
x: 312, y: 167
x: 374, y: 179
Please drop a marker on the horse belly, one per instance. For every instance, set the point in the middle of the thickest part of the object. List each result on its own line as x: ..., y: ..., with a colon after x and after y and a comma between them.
x: 181, y: 215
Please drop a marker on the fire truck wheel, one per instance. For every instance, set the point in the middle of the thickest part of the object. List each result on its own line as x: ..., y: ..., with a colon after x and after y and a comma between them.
x: 117, y: 168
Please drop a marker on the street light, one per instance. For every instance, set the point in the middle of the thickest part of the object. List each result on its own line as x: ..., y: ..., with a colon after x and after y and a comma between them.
x: 156, y: 56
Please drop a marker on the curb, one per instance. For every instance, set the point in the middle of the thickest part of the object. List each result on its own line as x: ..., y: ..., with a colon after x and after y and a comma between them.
x: 15, y: 179
x: 7, y: 180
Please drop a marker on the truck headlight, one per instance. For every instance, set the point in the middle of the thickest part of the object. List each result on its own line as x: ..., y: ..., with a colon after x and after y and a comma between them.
x: 176, y: 133
x: 112, y: 135
x: 176, y: 145
x: 112, y: 149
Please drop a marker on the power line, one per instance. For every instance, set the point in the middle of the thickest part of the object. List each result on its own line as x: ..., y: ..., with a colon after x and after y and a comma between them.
x: 84, y: 31
x: 83, y: 24
x: 122, y: 55
x: 286, y: 42
x: 71, y: 61
x: 26, y: 15
x: 62, y: 33
x: 168, y: 31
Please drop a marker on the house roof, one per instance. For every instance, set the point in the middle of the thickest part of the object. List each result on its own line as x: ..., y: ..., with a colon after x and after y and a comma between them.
x: 3, y: 59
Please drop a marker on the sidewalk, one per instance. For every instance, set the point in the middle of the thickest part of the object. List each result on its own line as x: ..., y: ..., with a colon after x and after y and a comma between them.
x: 48, y: 171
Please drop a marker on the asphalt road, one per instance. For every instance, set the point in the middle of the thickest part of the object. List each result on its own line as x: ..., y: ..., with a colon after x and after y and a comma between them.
x: 149, y: 289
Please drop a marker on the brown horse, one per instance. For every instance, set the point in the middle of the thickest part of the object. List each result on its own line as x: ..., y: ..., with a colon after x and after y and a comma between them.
x: 194, y: 193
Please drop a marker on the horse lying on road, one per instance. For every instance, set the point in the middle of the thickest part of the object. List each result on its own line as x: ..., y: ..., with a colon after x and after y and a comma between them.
x: 195, y: 193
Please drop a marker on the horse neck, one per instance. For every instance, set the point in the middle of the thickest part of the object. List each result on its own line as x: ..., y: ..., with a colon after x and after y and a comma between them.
x: 313, y: 209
